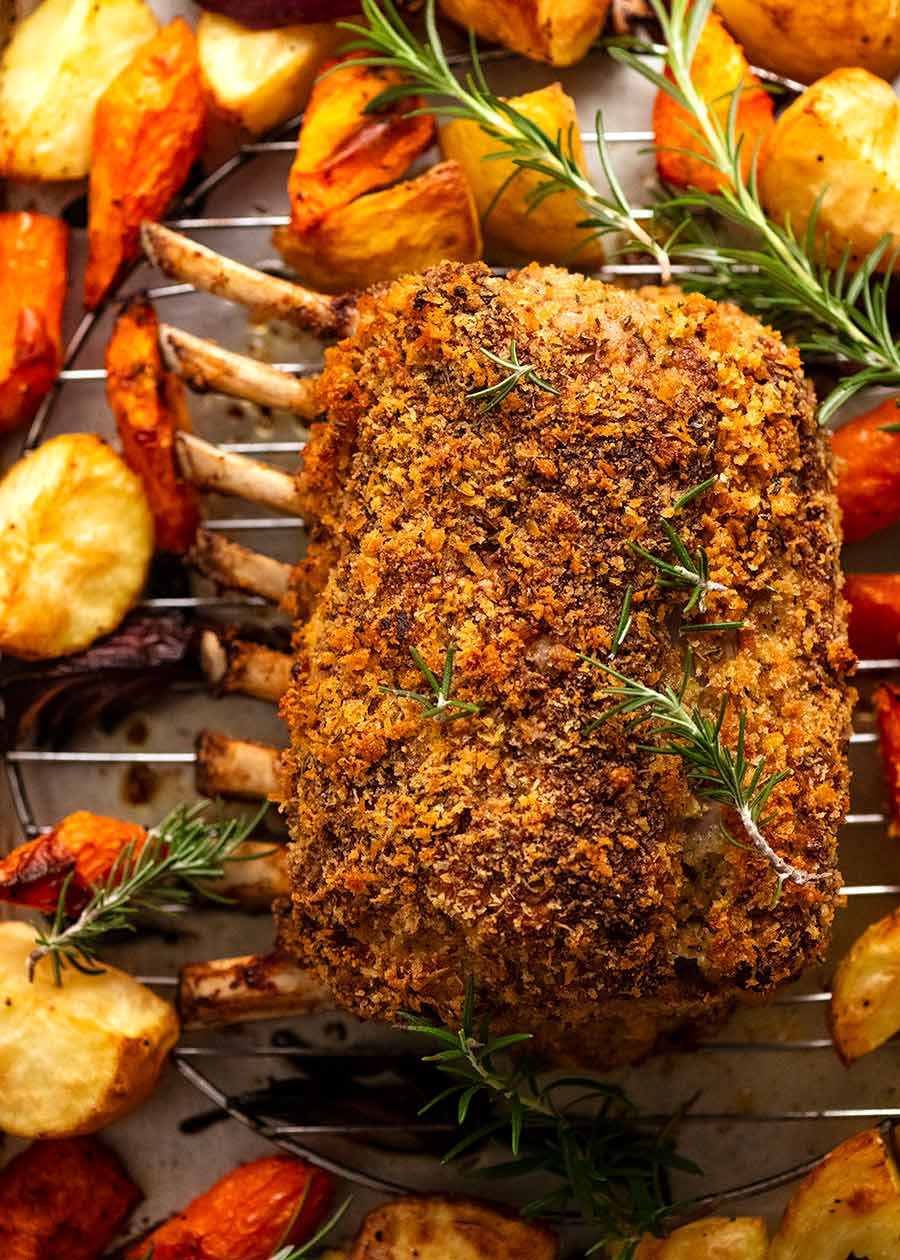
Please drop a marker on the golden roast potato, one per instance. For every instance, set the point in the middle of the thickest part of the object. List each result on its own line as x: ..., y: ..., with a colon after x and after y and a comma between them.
x: 558, y: 31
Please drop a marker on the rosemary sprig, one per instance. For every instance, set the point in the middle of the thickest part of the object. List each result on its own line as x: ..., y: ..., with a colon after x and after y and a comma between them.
x: 306, y: 1249
x: 623, y: 625
x: 694, y: 493
x: 713, y: 770
x: 603, y: 1162
x: 175, y: 862
x: 518, y: 374
x: 386, y: 41
x: 439, y: 703
x: 686, y: 573
x: 890, y: 428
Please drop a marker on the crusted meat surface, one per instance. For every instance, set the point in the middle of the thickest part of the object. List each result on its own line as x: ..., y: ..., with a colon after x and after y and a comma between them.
x: 575, y: 876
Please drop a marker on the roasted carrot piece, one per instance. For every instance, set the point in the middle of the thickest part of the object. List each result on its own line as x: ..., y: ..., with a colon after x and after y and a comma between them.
x: 718, y: 67
x: 887, y: 713
x: 148, y: 131
x: 868, y: 465
x: 33, y: 266
x: 342, y: 151
x: 247, y: 1215
x: 874, y: 600
x: 83, y: 845
x: 148, y: 404
x: 65, y: 1198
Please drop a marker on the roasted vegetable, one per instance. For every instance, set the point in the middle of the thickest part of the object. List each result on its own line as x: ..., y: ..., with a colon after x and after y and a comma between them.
x: 865, y: 991
x: 77, y: 1057
x: 837, y: 147
x: 66, y: 1198
x: 53, y: 72
x: 148, y: 404
x: 401, y: 229
x: 868, y: 467
x: 148, y: 132
x: 848, y: 1205
x: 76, y: 537
x: 717, y: 69
x: 438, y: 1227
x: 33, y: 273
x: 261, y: 78
x: 259, y: 15
x: 887, y: 713
x: 546, y: 30
x: 712, y: 1238
x: 342, y: 151
x: 549, y: 232
x: 804, y: 39
x: 874, y: 624
x: 250, y: 1212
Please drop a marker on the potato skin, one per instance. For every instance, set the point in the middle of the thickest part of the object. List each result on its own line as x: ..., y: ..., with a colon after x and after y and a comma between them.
x: 804, y: 39
x: 710, y: 1238
x: 839, y: 139
x: 450, y: 1227
x: 558, y: 31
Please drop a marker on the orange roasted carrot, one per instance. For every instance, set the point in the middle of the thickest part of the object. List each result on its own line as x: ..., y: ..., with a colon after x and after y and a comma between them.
x: 247, y: 1215
x: 85, y: 846
x: 342, y: 151
x: 148, y: 404
x: 868, y: 467
x: 874, y: 600
x: 66, y: 1199
x: 33, y: 277
x: 148, y: 131
x: 887, y: 713
x: 718, y: 67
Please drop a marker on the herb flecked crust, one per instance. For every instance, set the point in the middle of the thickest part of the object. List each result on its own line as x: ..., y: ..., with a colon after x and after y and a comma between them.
x: 575, y: 876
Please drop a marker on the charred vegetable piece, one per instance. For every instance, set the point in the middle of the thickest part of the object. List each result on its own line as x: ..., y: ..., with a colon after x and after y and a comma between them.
x: 887, y: 712
x: 66, y: 1197
x: 874, y: 625
x: 251, y: 1211
x: 33, y: 275
x: 260, y: 15
x: 343, y: 151
x: 719, y: 66
x: 868, y: 465
x: 865, y: 991
x: 148, y: 132
x: 148, y: 404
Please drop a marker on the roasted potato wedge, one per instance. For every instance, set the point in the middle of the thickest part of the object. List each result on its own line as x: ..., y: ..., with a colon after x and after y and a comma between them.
x: 72, y: 1188
x: 848, y: 1205
x: 868, y: 468
x: 386, y: 234
x: 839, y: 141
x: 77, y: 1057
x: 33, y: 275
x: 865, y: 992
x: 805, y: 39
x: 874, y: 625
x: 550, y: 233
x: 560, y: 32
x: 261, y: 78
x: 718, y: 67
x: 712, y: 1238
x: 445, y: 1227
x: 76, y: 538
x: 887, y: 715
x: 53, y: 72
x: 148, y: 132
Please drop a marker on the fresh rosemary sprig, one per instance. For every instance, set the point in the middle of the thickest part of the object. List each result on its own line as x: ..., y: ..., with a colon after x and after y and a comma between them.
x: 385, y: 41
x: 890, y: 428
x: 694, y: 493
x: 688, y: 573
x: 439, y: 704
x: 175, y: 862
x: 518, y: 374
x: 713, y: 770
x: 623, y: 625
x: 306, y: 1249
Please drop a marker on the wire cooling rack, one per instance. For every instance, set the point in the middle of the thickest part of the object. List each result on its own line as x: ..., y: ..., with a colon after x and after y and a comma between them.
x: 769, y: 1083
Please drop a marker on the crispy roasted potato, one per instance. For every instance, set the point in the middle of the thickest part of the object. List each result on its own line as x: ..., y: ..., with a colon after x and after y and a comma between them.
x: 76, y: 538
x: 874, y: 624
x: 887, y: 714
x: 77, y: 1057
x: 712, y: 1238
x: 550, y: 233
x: 261, y: 78
x: 838, y: 144
x: 71, y: 1189
x: 342, y: 151
x: 386, y: 234
x: 848, y: 1205
x: 252, y: 1211
x: 718, y: 67
x: 868, y: 469
x: 53, y: 72
x: 148, y: 132
x: 149, y: 407
x: 445, y: 1227
x: 33, y: 275
x: 865, y: 992
x: 558, y: 31
x: 804, y: 39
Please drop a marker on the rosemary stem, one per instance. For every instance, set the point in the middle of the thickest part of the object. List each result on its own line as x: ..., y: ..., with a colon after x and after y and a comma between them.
x: 784, y: 870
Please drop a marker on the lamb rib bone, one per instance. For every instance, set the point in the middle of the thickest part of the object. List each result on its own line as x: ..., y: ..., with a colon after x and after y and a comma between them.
x: 257, y: 986
x: 240, y: 768
x: 239, y: 568
x: 207, y: 467
x: 234, y: 665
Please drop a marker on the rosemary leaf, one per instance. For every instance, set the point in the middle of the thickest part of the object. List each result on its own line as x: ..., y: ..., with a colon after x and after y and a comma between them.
x: 306, y: 1249
x: 518, y: 374
x: 439, y: 703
